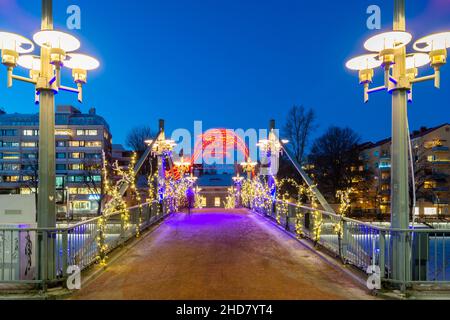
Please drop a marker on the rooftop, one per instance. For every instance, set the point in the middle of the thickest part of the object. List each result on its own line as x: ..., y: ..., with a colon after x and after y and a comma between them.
x: 215, y: 180
x: 65, y: 115
x: 414, y: 135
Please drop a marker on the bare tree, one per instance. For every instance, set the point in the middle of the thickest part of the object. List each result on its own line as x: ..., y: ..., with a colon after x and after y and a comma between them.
x: 336, y: 162
x: 31, y: 170
x: 136, y: 139
x: 422, y: 172
x: 300, y: 123
x: 92, y: 168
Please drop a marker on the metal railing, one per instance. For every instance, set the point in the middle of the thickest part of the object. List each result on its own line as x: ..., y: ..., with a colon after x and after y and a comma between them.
x: 42, y: 256
x: 364, y: 244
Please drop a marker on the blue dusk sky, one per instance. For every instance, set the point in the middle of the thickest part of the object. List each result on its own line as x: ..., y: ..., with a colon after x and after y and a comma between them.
x: 230, y: 63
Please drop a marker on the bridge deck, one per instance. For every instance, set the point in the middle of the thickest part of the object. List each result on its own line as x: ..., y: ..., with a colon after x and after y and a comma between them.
x: 218, y: 254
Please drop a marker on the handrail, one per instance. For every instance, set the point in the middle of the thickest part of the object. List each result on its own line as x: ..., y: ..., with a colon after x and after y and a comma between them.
x: 67, y: 228
x: 367, y: 224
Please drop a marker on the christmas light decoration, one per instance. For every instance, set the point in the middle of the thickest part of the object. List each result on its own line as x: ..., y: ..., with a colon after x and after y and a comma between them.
x: 345, y: 204
x: 230, y: 200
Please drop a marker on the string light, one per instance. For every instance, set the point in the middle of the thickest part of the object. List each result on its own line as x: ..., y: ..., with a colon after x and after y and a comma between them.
x: 230, y: 200
x: 345, y: 204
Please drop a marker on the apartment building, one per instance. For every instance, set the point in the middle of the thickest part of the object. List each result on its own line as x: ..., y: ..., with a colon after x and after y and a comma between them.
x: 81, y: 139
x: 430, y: 152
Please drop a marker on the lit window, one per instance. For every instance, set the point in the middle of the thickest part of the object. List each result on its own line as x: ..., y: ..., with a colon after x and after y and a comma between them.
x: 25, y: 191
x: 30, y: 132
x: 81, y: 132
x: 29, y: 144
x: 429, y: 184
x: 430, y: 211
x: 63, y: 132
x: 93, y: 144
x: 81, y: 205
x: 76, y: 166
x: 217, y: 201
x: 11, y: 156
x: 76, y: 155
x: 76, y: 143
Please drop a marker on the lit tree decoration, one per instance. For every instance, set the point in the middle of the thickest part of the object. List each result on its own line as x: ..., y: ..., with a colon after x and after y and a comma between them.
x: 256, y: 195
x: 102, y: 247
x: 317, y: 215
x: 198, y: 204
x: 345, y: 203
x: 135, y: 191
x: 117, y: 203
x: 230, y: 201
x: 152, y: 194
x: 301, y: 192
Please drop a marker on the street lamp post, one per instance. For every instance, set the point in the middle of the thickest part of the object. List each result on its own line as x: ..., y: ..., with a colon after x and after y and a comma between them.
x: 47, y: 167
x: 400, y: 73
x: 45, y: 75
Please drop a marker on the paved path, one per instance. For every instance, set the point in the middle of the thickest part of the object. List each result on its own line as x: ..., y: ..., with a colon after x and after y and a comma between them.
x: 217, y: 254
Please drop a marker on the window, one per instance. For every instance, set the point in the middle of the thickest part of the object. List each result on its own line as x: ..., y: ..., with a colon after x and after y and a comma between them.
x: 10, y: 167
x: 385, y: 164
x: 85, y: 132
x: 9, y: 144
x: 10, y: 178
x: 30, y: 132
x: 60, y: 167
x: 76, y: 155
x: 60, y: 155
x: 59, y: 182
x: 429, y: 184
x: 10, y: 156
x: 8, y: 133
x: 76, y: 166
x: 29, y: 156
x: 81, y: 205
x: 30, y: 167
x: 61, y: 144
x: 430, y: 211
x: 84, y: 191
x: 376, y: 154
x: 25, y: 191
x: 431, y: 158
x: 76, y: 143
x: 93, y: 144
x: 93, y: 156
x: 217, y: 202
x: 30, y: 144
x: 63, y: 132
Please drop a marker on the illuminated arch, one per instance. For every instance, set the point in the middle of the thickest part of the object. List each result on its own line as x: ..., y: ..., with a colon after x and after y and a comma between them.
x: 221, y: 141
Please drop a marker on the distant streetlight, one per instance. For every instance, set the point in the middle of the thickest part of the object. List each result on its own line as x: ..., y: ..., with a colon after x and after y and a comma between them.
x: 56, y: 51
x: 400, y: 73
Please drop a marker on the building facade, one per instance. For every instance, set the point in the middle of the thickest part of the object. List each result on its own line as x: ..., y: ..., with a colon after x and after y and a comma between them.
x: 431, y: 163
x: 121, y: 156
x: 81, y: 139
x: 214, y: 189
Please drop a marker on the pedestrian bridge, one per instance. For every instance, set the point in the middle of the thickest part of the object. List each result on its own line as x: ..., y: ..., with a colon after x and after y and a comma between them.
x: 220, y: 254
